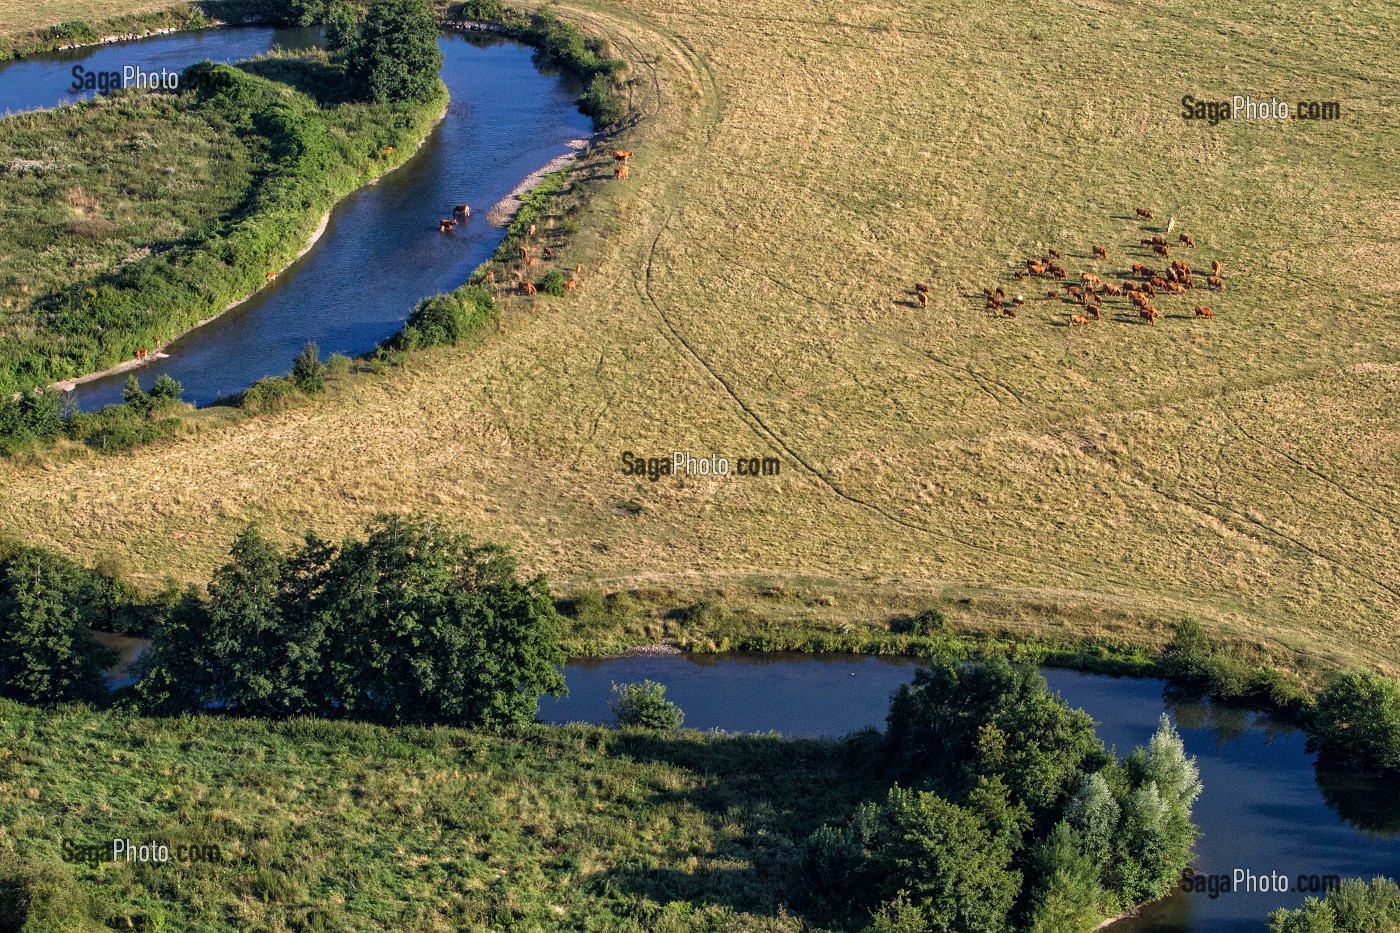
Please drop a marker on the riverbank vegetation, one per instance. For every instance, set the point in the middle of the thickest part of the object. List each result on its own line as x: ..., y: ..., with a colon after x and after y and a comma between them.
x: 1355, y: 907
x: 294, y: 118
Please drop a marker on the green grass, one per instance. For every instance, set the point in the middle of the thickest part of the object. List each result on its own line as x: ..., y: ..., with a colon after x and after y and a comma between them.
x: 137, y: 240
x: 340, y: 826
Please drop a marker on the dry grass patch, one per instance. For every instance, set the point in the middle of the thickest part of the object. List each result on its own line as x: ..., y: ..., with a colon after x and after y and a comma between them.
x: 799, y: 167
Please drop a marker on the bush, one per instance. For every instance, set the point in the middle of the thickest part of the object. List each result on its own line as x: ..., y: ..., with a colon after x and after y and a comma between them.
x: 1357, y: 722
x: 166, y: 390
x: 644, y: 706
x: 32, y: 417
x: 923, y: 623
x: 308, y: 372
x: 47, y: 652
x: 1354, y: 907
x: 553, y: 284
x: 444, y: 320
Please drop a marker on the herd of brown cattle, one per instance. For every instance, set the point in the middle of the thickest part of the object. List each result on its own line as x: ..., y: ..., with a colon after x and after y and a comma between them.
x: 1140, y: 286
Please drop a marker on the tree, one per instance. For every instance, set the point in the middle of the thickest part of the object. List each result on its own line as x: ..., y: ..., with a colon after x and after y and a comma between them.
x: 47, y: 652
x: 395, y: 58
x: 166, y: 389
x: 1068, y: 896
x: 308, y: 372
x: 943, y: 856
x: 1093, y: 813
x: 342, y: 26
x: 134, y: 395
x: 428, y: 627
x: 1354, y: 907
x: 644, y: 706
x: 957, y: 723
x: 1357, y: 722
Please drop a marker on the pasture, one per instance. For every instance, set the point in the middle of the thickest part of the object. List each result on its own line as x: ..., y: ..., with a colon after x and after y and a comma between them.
x: 748, y: 291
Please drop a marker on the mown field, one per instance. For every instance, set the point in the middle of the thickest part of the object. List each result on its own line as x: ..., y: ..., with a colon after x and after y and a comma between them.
x: 747, y: 291
x: 576, y: 828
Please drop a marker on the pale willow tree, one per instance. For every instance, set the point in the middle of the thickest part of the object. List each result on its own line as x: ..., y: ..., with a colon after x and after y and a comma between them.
x: 1093, y: 814
x: 1158, y: 832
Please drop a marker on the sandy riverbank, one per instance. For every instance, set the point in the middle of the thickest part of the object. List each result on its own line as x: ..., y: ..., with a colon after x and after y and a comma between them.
x: 505, y: 209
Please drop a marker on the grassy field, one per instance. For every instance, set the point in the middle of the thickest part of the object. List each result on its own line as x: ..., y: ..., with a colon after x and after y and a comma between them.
x: 168, y: 172
x: 16, y: 17
x: 577, y: 828
x: 747, y: 291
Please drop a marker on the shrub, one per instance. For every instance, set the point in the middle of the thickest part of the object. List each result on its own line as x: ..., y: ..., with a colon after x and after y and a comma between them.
x: 166, y: 390
x: 443, y: 320
x: 1354, y: 907
x: 32, y: 417
x: 924, y: 622
x: 704, y: 613
x: 553, y: 284
x: 308, y: 372
x: 644, y: 706
x: 1357, y: 722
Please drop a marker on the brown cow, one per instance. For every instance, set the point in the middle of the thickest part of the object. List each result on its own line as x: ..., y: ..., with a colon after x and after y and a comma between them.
x: 489, y: 277
x: 1008, y: 312
x: 1058, y: 272
x: 1074, y: 291
x: 1089, y: 278
x: 1130, y: 286
x: 1215, y: 281
x: 571, y: 284
x: 622, y: 155
x: 524, y: 251
x: 1159, y: 240
x: 527, y: 288
x: 1216, y: 267
x: 1018, y: 300
x: 921, y: 288
x: 1095, y: 312
x: 271, y: 276
x: 1054, y: 252
x: 1100, y: 252
x: 1138, y: 299
x: 1139, y: 269
x: 1203, y: 311
x: 1148, y: 314
x: 1077, y: 319
x: 1157, y: 282
x: 1161, y: 250
x: 446, y: 226
x: 1112, y: 289
x: 921, y: 298
x: 1187, y: 239
x: 548, y: 253
x: 1175, y: 288
x: 1147, y: 289
x: 1144, y: 213
x: 462, y: 210
x: 621, y: 172
x: 1052, y: 296
x: 1036, y: 268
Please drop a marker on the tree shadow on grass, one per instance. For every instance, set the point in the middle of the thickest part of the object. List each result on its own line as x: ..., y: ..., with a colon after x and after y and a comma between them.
x: 761, y: 796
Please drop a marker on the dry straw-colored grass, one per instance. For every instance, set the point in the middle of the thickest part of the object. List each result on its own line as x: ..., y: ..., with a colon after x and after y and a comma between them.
x: 800, y: 166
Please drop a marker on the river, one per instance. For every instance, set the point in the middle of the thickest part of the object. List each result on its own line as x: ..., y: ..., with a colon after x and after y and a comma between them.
x: 1264, y: 808
x: 381, y: 251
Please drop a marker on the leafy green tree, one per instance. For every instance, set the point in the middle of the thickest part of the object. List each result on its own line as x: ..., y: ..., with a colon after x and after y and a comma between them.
x: 1357, y: 722
x: 308, y: 372
x: 957, y: 723
x: 342, y: 26
x: 30, y: 416
x: 1188, y: 655
x: 644, y: 706
x: 134, y: 395
x: 395, y: 57
x: 47, y: 652
x: 1354, y: 907
x: 1093, y: 813
x: 429, y: 627
x: 166, y: 390
x: 947, y: 861
x: 1068, y: 897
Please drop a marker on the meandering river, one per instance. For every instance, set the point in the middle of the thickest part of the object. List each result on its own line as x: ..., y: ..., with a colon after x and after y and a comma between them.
x: 381, y: 251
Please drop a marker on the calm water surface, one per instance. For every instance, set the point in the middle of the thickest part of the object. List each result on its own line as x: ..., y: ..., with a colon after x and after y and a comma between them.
x: 1263, y: 808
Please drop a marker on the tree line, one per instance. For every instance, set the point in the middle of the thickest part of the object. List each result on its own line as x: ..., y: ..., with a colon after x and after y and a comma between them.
x: 412, y: 624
